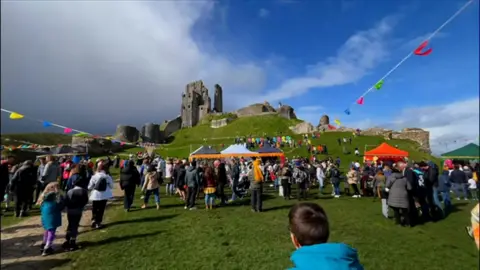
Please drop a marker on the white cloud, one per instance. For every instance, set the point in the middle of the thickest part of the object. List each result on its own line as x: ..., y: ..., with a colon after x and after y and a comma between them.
x: 94, y: 64
x: 450, y: 125
x: 361, y: 53
x: 263, y: 13
x: 310, y: 114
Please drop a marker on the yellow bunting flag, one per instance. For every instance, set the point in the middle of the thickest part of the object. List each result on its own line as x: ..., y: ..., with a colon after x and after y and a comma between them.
x: 338, y: 122
x: 15, y: 116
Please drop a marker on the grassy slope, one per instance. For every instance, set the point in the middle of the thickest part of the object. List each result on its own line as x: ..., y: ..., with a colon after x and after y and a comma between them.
x: 37, y: 138
x: 187, y: 140
x: 234, y: 238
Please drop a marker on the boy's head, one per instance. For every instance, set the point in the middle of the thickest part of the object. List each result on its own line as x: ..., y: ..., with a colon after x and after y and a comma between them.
x: 308, y: 225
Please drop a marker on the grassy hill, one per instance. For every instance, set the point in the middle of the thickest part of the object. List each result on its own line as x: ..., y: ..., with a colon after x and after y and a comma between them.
x: 36, y: 138
x: 187, y: 140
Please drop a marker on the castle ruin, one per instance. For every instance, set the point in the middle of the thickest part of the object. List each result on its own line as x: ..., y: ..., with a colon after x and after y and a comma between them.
x: 196, y: 103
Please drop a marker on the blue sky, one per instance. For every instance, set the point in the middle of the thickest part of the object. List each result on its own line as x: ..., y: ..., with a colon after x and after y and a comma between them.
x: 317, y: 56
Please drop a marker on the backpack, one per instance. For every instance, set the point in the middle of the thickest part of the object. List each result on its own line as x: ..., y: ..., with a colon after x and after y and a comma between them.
x: 334, y: 173
x: 101, y: 184
x: 300, y: 176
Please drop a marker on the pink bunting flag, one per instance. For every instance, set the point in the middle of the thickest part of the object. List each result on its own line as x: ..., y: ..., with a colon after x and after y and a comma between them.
x: 67, y: 130
x: 122, y: 143
x: 360, y: 101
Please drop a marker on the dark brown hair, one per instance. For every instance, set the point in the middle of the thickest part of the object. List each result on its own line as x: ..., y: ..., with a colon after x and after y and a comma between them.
x: 308, y: 222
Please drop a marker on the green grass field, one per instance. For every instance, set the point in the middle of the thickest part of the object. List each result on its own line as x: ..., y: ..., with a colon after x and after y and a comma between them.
x: 233, y: 237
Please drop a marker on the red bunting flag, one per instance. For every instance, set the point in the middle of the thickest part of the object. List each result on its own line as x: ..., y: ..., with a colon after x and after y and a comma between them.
x: 418, y: 51
x: 360, y: 101
x: 67, y: 130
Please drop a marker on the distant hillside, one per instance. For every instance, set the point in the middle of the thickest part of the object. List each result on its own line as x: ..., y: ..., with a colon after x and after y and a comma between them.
x: 187, y: 140
x: 36, y: 138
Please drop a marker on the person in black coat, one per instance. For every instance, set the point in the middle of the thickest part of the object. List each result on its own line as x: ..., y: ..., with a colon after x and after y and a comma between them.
x: 5, y: 175
x: 129, y: 180
x: 221, y: 182
x: 23, y: 184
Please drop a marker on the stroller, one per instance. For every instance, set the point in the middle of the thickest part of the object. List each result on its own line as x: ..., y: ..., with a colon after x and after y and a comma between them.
x: 243, y: 186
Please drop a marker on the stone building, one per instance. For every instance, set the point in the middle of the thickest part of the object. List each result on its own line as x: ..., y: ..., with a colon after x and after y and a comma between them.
x: 196, y: 103
x: 218, y: 102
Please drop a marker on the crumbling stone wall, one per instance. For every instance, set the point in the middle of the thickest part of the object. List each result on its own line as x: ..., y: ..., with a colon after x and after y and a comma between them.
x: 287, y: 112
x: 172, y: 126
x: 256, y: 109
x: 127, y: 133
x: 303, y: 128
x: 422, y: 137
x: 151, y: 133
x: 220, y: 122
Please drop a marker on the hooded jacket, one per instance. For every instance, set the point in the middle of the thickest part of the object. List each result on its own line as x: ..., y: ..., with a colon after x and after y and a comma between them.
x: 328, y: 256
x: 24, y: 178
x: 257, y: 171
x: 191, y: 177
x: 129, y: 176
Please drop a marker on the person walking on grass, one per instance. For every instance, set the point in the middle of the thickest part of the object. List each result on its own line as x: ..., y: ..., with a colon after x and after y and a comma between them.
x: 210, y: 187
x: 129, y: 180
x: 379, y: 185
x: 352, y: 178
x: 300, y: 177
x: 151, y: 186
x: 75, y: 201
x: 101, y: 185
x: 256, y: 180
x: 22, y: 185
x: 51, y: 208
x: 192, y: 178
x: 444, y: 185
x: 398, y: 188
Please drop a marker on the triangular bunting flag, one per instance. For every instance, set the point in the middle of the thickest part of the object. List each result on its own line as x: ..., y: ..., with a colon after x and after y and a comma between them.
x: 338, y: 122
x: 15, y: 116
x: 47, y: 124
x: 360, y: 101
x: 379, y: 85
x: 347, y: 112
x: 67, y: 130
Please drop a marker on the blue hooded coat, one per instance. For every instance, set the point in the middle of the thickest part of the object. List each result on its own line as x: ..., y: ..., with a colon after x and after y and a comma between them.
x: 328, y: 256
x: 51, y: 211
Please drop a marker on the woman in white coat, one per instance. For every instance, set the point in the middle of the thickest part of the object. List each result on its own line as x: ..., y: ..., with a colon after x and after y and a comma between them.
x: 101, y: 185
x: 320, y: 177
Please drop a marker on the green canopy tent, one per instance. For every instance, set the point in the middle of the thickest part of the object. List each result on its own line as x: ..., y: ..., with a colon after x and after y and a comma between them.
x: 469, y: 151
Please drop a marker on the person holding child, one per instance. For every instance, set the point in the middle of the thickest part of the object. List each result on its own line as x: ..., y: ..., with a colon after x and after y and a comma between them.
x: 309, y: 232
x: 51, y: 208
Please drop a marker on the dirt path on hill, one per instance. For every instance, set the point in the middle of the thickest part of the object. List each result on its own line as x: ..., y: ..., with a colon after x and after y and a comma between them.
x: 20, y: 243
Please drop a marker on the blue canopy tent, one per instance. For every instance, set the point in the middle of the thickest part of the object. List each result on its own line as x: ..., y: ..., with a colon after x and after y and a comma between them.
x: 268, y: 151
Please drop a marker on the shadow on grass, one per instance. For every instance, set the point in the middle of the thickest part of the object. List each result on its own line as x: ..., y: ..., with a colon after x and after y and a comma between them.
x: 19, y: 247
x: 87, y: 244
x: 14, y: 228
x: 37, y: 265
x: 140, y: 220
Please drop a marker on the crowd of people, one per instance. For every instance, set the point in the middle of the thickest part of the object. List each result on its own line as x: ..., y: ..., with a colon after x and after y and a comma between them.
x: 413, y: 192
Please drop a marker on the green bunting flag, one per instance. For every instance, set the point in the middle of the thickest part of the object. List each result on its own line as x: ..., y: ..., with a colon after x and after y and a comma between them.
x: 379, y: 85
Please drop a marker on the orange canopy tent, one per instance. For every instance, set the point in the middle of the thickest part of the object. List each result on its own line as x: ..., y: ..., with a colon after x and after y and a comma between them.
x: 385, y: 151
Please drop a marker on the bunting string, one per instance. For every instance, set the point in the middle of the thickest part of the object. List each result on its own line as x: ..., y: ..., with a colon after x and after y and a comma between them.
x: 66, y: 130
x: 418, y: 51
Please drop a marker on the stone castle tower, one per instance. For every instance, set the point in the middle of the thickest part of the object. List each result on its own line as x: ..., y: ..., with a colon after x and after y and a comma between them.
x: 196, y: 103
x: 218, y: 102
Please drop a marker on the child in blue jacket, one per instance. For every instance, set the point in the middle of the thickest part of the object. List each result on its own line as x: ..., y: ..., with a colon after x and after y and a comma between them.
x: 309, y: 231
x: 51, y: 207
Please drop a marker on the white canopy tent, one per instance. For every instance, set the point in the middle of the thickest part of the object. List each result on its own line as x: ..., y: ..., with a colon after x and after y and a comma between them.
x: 237, y: 149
